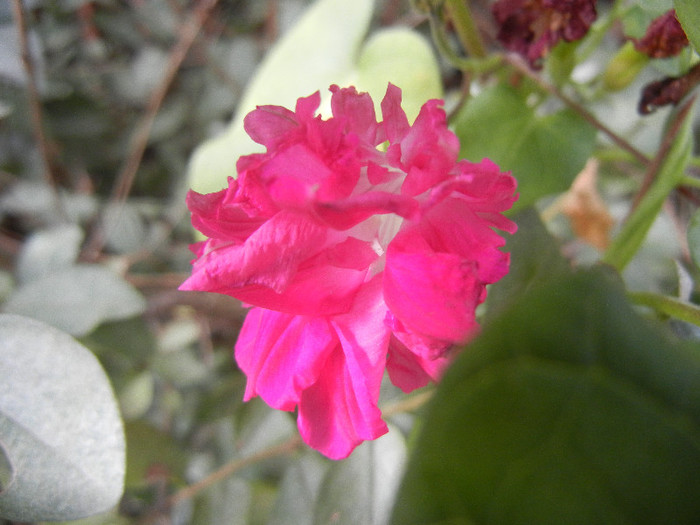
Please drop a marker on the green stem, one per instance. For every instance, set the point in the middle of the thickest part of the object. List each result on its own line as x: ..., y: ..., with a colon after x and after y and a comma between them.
x: 670, y: 306
x: 458, y: 11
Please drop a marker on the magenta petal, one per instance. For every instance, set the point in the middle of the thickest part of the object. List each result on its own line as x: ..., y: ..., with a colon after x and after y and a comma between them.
x: 434, y: 294
x: 395, y: 121
x: 282, y: 354
x: 340, y: 410
x: 269, y: 257
x: 357, y: 110
x: 408, y: 370
x: 346, y: 213
x: 270, y: 125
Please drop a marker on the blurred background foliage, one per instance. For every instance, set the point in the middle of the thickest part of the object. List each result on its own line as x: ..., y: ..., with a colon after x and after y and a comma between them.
x: 94, y: 239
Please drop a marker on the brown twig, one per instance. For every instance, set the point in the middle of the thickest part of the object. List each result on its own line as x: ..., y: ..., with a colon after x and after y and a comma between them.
x: 229, y: 469
x: 33, y: 96
x: 517, y: 63
x: 139, y: 140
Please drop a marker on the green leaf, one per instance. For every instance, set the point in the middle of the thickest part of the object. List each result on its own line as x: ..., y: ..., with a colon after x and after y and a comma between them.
x: 361, y: 488
x: 569, y: 408
x: 77, y: 299
x: 59, y: 426
x: 544, y: 153
x: 527, y: 272
x: 693, y: 236
x: 689, y: 16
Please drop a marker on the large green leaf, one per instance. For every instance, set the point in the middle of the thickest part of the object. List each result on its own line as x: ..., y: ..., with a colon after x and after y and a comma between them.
x: 688, y: 13
x: 569, y: 408
x: 544, y: 153
x: 60, y: 430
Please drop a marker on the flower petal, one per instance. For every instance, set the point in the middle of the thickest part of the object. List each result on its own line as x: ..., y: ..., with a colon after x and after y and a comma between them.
x: 409, y: 370
x: 340, y: 410
x: 434, y: 294
x: 269, y: 257
x: 282, y: 354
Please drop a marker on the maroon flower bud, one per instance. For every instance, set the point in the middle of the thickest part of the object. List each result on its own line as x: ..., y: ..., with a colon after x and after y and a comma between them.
x: 532, y: 27
x: 664, y: 37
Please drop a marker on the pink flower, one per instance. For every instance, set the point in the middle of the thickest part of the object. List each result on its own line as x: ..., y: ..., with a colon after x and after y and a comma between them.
x: 362, y: 246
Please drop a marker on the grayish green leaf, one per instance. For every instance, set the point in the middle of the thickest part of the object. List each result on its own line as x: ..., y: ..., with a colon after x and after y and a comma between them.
x: 299, y: 490
x: 77, y: 299
x: 49, y: 251
x: 59, y: 426
x: 361, y: 488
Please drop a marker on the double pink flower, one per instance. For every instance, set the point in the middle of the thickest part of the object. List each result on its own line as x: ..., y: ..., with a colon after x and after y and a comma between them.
x: 361, y: 245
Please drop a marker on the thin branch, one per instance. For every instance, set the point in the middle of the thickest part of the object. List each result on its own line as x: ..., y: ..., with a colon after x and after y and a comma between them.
x: 229, y: 469
x: 139, y: 140
x: 516, y: 62
x: 33, y: 96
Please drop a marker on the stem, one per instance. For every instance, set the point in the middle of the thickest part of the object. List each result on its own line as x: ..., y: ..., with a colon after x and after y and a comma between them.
x: 230, y: 468
x: 35, y: 104
x: 458, y: 11
x: 670, y: 306
x: 516, y: 62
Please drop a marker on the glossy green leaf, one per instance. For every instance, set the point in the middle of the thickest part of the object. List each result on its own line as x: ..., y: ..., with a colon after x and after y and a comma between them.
x: 689, y: 16
x: 544, y: 153
x: 59, y: 426
x: 569, y: 408
x: 77, y: 299
x: 361, y: 488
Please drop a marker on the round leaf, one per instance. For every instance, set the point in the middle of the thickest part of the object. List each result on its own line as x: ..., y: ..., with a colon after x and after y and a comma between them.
x: 59, y: 426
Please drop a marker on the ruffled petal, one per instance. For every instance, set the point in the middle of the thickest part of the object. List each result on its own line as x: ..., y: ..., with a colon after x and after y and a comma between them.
x: 434, y: 294
x: 340, y: 410
x: 428, y: 151
x: 282, y: 354
x: 346, y: 213
x: 269, y: 257
x: 395, y: 124
x: 270, y: 125
x: 356, y: 110
x: 409, y: 370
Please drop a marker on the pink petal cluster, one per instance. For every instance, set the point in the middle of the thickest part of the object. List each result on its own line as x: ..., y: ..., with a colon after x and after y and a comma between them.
x: 362, y: 246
